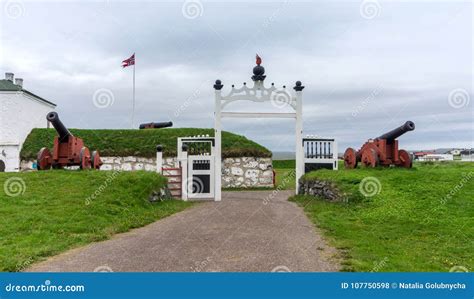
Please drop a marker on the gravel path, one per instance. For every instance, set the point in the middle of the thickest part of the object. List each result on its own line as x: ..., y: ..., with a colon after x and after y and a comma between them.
x: 246, y: 231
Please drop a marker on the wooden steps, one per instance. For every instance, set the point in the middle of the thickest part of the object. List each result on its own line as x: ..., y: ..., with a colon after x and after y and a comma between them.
x: 174, y: 180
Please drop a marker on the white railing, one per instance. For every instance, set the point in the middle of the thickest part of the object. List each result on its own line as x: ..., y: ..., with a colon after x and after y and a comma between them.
x: 319, y: 153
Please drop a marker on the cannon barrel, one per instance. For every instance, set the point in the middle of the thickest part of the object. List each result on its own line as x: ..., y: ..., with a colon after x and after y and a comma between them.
x: 395, y: 133
x: 156, y: 125
x: 63, y: 132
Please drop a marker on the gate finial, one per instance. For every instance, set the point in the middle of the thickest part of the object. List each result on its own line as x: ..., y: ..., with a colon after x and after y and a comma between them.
x: 258, y: 70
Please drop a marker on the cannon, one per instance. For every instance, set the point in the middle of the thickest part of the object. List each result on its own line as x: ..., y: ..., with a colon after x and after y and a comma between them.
x: 68, y: 150
x: 156, y: 125
x: 381, y: 151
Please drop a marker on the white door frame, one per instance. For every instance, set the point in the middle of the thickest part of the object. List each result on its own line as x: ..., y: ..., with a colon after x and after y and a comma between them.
x: 258, y: 93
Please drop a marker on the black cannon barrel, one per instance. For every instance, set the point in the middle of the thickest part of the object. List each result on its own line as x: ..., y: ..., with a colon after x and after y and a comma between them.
x: 165, y: 124
x: 395, y: 133
x: 63, y: 132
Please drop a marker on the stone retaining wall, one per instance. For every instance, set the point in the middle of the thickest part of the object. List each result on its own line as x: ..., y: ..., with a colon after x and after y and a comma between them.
x: 247, y: 172
x: 324, y: 189
x: 236, y: 172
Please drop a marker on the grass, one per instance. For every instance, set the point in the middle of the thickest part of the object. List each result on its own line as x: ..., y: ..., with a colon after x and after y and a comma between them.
x: 142, y: 143
x: 421, y: 219
x: 285, y: 178
x: 285, y: 164
x: 51, y: 214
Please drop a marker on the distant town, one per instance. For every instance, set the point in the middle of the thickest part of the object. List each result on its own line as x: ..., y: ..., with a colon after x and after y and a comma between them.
x: 439, y: 154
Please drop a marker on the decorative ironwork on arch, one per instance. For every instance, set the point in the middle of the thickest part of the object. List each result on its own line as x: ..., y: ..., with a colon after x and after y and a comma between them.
x: 259, y: 93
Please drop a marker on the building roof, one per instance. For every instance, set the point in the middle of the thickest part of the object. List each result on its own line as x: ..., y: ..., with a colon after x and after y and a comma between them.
x: 7, y: 85
x: 423, y: 153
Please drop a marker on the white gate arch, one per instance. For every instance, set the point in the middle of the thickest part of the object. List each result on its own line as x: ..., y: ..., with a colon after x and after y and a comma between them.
x: 257, y: 93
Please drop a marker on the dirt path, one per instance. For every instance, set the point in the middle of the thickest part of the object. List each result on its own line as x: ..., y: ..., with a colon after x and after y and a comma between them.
x: 246, y: 231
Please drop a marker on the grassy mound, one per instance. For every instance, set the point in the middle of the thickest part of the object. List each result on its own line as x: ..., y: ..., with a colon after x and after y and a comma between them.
x: 45, y: 213
x: 418, y: 219
x: 141, y: 143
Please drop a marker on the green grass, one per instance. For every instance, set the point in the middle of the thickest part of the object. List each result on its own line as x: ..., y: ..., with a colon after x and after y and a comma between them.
x: 286, y: 164
x: 421, y: 220
x: 285, y: 178
x: 142, y: 143
x: 52, y: 216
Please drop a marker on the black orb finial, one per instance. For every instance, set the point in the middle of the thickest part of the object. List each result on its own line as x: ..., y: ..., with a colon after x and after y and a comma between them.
x: 159, y: 148
x: 298, y: 86
x: 258, y: 70
x: 218, y: 85
x: 184, y: 147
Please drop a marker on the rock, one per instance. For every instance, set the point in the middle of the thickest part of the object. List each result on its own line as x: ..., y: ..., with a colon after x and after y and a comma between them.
x: 251, y: 164
x: 129, y: 159
x: 251, y: 173
x: 106, y: 167
x: 237, y: 171
x: 126, y: 166
x: 150, y: 167
x: 323, y: 189
x: 107, y: 160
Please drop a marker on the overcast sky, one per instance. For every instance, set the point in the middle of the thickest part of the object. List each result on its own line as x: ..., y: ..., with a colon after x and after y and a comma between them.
x: 367, y: 66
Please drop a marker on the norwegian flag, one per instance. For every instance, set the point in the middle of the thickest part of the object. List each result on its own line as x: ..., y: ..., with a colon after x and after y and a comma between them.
x: 129, y: 61
x: 259, y: 59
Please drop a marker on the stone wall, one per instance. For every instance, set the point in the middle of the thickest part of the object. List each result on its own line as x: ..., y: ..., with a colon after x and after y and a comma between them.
x: 247, y: 172
x: 324, y: 189
x: 236, y: 172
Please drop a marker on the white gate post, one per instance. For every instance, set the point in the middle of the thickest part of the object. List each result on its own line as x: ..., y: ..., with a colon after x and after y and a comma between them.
x: 299, y: 133
x: 159, y: 159
x: 217, y: 135
x: 183, y: 162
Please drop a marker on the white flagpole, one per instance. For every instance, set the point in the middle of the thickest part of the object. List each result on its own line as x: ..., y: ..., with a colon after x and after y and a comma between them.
x: 133, y: 104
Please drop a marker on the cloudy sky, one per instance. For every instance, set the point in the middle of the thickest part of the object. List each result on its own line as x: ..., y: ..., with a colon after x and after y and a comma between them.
x: 367, y: 66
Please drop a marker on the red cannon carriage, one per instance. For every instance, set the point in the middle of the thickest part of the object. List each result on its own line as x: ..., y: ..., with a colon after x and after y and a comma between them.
x: 382, y: 150
x: 68, y: 150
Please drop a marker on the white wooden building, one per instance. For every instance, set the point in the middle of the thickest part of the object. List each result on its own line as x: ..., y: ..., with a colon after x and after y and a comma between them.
x: 467, y: 155
x: 20, y: 112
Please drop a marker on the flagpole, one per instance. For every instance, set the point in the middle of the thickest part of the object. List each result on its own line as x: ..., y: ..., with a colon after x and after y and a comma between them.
x: 133, y: 104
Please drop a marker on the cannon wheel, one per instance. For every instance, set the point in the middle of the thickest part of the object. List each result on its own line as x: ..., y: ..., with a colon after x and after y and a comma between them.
x: 350, y: 158
x: 44, y: 159
x: 405, y: 159
x: 370, y: 158
x: 95, y: 160
x: 85, y: 158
